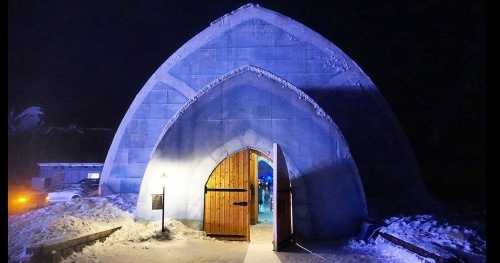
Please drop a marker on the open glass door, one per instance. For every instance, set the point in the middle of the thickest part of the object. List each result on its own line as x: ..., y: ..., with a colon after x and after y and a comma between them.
x: 282, y: 201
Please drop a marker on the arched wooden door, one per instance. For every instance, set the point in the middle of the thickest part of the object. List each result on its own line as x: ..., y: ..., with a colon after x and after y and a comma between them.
x: 231, y: 197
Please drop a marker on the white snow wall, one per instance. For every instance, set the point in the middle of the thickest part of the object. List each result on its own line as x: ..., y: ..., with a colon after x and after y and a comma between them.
x: 252, y: 35
x: 250, y: 108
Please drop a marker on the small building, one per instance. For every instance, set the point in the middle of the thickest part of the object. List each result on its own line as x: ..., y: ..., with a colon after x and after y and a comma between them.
x: 56, y: 175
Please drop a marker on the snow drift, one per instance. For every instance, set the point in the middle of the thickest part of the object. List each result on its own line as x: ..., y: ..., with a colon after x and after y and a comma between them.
x: 85, y: 216
x: 90, y: 215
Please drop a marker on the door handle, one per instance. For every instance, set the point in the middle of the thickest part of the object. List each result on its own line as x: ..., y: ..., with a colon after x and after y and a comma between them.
x: 244, y: 203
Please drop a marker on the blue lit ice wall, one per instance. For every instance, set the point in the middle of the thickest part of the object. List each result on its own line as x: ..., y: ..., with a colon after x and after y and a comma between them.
x: 265, y: 172
x: 253, y: 35
x: 256, y: 42
x: 250, y: 110
x: 329, y: 77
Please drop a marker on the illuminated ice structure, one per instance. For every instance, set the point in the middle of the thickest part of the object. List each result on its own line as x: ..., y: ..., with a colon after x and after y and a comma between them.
x: 255, y: 77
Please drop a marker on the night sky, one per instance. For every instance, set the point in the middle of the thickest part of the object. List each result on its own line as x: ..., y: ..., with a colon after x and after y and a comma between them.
x: 84, y: 61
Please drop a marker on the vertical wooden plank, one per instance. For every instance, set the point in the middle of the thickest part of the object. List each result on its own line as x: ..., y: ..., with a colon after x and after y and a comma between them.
x: 234, y: 174
x: 233, y: 215
x: 228, y: 204
x: 223, y: 204
x: 213, y: 200
x: 230, y: 170
x: 217, y: 203
x: 206, y: 212
x: 242, y: 194
x: 240, y: 175
x: 236, y: 210
x: 231, y: 207
x: 227, y: 207
x: 206, y: 218
x: 256, y: 188
x: 253, y: 194
x: 217, y: 199
x: 247, y: 193
x: 236, y: 220
x: 250, y: 182
x: 213, y: 205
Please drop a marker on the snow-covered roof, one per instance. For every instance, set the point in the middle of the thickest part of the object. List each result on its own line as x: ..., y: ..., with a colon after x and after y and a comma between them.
x: 70, y: 164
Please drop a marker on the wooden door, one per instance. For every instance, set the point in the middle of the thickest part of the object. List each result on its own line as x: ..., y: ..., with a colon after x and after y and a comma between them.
x: 254, y: 188
x: 226, y: 199
x: 282, y: 201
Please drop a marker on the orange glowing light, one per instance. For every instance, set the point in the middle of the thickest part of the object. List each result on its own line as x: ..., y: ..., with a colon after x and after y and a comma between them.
x: 22, y: 199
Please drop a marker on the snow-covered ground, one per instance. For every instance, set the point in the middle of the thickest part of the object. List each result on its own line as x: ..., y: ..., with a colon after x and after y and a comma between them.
x: 431, y: 230
x: 85, y: 216
x: 427, y: 232
x: 140, y: 239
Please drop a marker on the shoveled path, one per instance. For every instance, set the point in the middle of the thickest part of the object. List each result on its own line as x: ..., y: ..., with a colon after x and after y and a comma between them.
x: 258, y: 250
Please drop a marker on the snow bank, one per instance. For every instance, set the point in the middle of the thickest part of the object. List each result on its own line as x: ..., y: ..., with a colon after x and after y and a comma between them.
x: 85, y: 216
x: 424, y: 231
x: 431, y: 230
x: 386, y: 251
x: 90, y: 215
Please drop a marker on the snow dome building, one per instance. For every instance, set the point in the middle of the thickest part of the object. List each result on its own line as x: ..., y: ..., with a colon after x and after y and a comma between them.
x: 258, y: 83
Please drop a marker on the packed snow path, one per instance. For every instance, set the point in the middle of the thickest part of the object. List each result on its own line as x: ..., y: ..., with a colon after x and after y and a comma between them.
x: 258, y: 250
x: 139, y: 242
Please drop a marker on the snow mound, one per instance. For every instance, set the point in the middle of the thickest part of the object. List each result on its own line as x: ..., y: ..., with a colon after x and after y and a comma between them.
x: 431, y: 230
x: 126, y: 202
x: 86, y: 216
x: 425, y: 231
x: 386, y: 250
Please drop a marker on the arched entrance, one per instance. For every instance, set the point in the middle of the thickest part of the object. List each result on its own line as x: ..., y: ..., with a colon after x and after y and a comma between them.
x: 252, y: 108
x: 231, y: 196
x: 232, y: 192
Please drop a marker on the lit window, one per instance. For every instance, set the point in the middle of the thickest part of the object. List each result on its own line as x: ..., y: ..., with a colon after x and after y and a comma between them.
x: 93, y: 176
